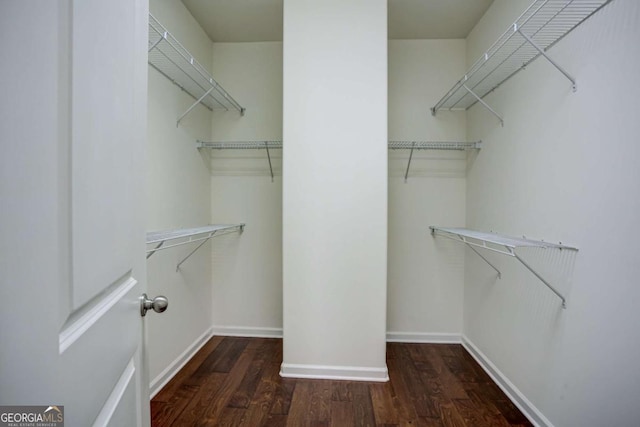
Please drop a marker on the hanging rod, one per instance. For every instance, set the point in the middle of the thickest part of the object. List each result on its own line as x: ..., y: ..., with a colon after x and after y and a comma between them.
x: 173, y: 61
x: 431, y: 145
x: 504, y: 245
x: 539, y: 27
x: 188, y: 235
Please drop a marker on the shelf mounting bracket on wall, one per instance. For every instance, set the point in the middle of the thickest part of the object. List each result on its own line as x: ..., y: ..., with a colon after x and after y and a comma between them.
x: 574, y: 86
x: 481, y: 101
x: 198, y: 101
x: 503, y: 245
x: 481, y: 256
x: 406, y: 173
x: 266, y: 146
x: 189, y: 235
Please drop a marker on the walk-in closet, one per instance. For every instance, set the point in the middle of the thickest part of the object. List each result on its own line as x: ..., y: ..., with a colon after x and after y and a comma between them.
x: 500, y: 199
x: 336, y: 212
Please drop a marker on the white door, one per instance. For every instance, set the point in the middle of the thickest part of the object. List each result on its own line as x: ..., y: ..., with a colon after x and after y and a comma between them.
x: 73, y: 128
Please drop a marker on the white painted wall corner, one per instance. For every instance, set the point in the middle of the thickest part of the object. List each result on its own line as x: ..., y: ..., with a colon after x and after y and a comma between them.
x: 244, y: 331
x: 174, y: 367
x: 513, y: 393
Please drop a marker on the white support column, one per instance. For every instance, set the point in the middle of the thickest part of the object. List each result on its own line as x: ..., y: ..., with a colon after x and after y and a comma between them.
x: 335, y: 188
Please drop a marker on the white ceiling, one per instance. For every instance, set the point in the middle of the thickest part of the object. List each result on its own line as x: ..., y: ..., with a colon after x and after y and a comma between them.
x: 434, y: 19
x: 261, y: 20
x: 238, y: 20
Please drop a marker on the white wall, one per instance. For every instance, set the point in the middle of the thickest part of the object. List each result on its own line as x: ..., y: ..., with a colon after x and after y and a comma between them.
x: 247, y: 269
x: 563, y: 168
x: 335, y: 188
x: 178, y: 192
x: 426, y: 275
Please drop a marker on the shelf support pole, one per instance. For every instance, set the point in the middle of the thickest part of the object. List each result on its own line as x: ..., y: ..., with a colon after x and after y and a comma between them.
x: 543, y: 53
x: 406, y: 174
x: 485, y: 260
x: 266, y: 145
x: 162, y: 37
x: 535, y: 273
x: 193, y: 251
x: 155, y: 249
x: 480, y: 100
x: 194, y: 105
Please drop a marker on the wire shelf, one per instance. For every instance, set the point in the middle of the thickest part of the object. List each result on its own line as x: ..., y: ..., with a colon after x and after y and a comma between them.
x: 498, y: 239
x: 501, y: 244
x: 172, y: 60
x: 393, y: 145
x: 240, y: 145
x: 433, y: 145
x: 163, y: 236
x: 542, y: 25
x: 184, y: 236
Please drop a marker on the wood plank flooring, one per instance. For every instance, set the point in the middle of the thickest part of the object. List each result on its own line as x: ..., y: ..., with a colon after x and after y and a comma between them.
x: 235, y: 382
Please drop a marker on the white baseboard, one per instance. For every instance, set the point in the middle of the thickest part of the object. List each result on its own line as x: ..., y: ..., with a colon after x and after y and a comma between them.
x: 243, y: 331
x: 351, y: 373
x: 520, y: 400
x: 420, y: 337
x: 170, y: 371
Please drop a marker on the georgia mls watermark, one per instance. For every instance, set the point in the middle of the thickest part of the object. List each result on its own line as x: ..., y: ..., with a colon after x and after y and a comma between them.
x: 32, y: 416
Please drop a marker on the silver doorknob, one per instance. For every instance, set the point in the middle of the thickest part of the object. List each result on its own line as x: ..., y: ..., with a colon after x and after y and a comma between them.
x: 158, y: 304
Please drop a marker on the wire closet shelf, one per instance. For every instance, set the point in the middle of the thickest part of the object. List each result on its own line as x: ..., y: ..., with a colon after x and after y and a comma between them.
x: 185, y: 236
x: 505, y: 245
x: 172, y: 60
x: 393, y: 145
x: 542, y: 25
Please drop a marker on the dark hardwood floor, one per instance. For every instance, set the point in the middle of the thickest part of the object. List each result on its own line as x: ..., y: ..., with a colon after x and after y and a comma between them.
x: 236, y: 382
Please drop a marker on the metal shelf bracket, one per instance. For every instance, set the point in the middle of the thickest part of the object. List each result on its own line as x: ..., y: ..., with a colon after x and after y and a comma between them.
x: 542, y: 52
x: 266, y: 146
x: 485, y: 260
x: 481, y: 101
x: 198, y: 101
x: 406, y: 174
x: 205, y: 240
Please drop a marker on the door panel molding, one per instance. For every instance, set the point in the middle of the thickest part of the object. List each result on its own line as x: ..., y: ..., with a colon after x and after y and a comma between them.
x: 126, y: 380
x: 84, y: 318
